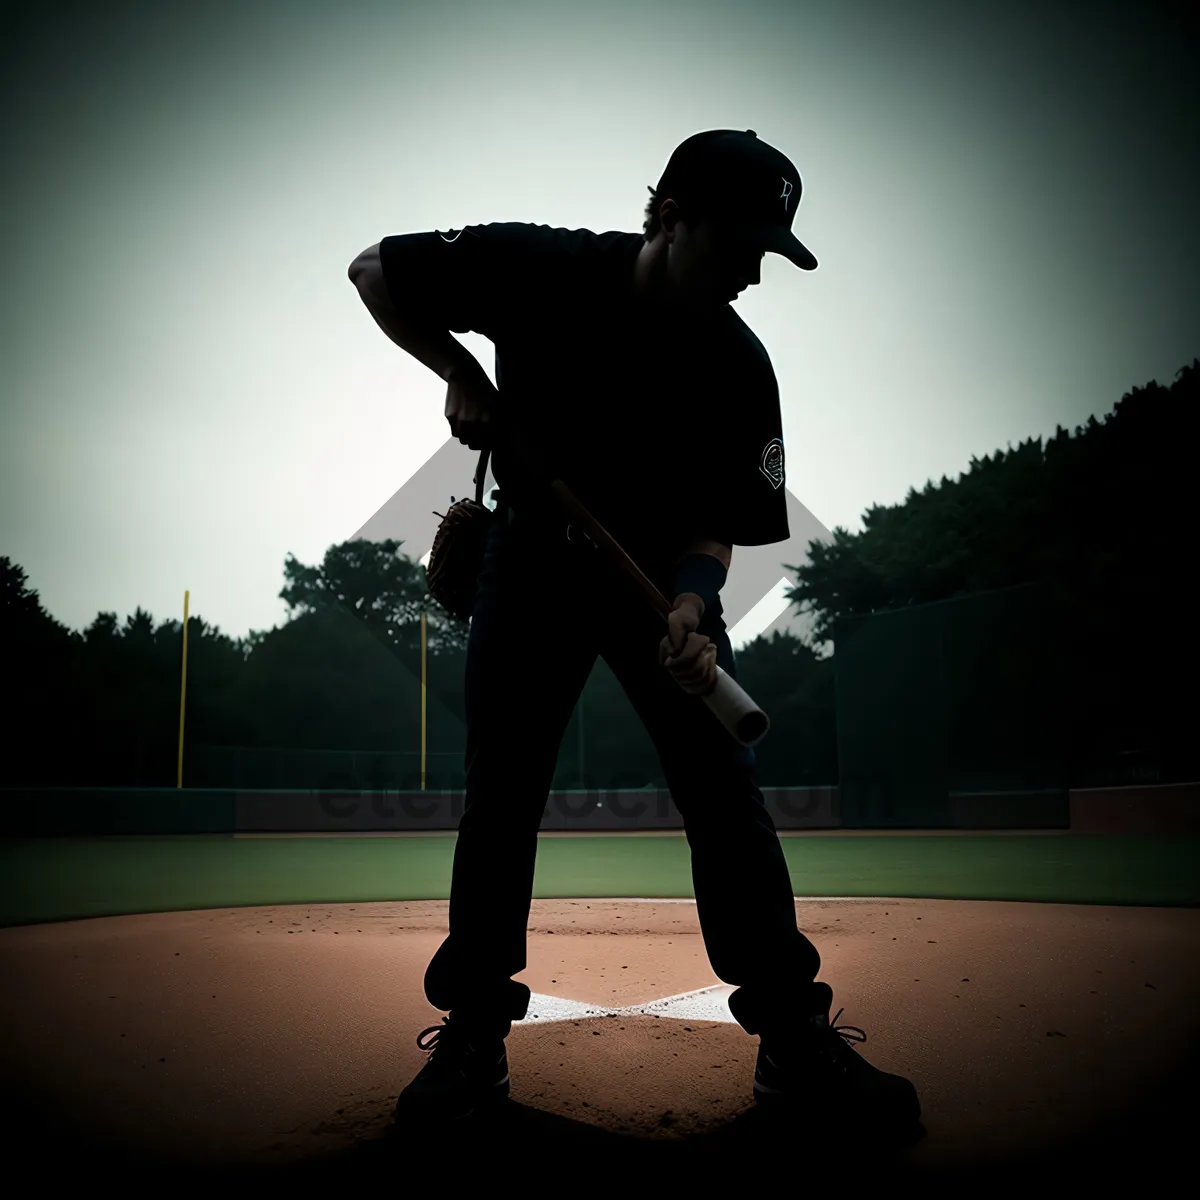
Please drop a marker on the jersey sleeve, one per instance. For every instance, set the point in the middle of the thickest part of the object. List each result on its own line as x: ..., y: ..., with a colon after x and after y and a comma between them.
x: 478, y: 279
x: 746, y: 504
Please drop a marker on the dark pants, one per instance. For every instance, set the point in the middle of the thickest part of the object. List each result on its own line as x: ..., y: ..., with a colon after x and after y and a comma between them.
x: 545, y: 608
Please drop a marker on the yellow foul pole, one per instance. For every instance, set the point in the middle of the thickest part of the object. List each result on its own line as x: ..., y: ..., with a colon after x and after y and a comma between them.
x: 422, y: 699
x: 182, y: 692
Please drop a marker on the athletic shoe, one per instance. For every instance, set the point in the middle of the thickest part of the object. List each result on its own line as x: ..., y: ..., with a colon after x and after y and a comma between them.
x: 467, y: 1071
x: 810, y: 1065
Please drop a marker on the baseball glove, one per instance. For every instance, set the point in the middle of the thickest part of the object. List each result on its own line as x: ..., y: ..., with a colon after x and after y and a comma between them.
x: 457, y: 555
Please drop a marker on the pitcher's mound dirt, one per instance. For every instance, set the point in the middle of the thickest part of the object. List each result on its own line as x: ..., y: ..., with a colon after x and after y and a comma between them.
x: 281, y: 1036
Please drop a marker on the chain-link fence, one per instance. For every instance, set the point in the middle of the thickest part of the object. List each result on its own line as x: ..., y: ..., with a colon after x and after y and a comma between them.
x: 955, y: 697
x: 247, y: 768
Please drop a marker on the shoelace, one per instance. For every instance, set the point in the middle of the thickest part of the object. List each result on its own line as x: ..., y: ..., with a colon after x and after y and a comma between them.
x: 441, y: 1035
x: 844, y: 1036
x: 435, y: 1035
x: 831, y: 1041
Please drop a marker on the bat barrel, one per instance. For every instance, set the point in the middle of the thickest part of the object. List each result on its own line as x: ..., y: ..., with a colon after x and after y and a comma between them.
x: 736, y: 711
x: 752, y: 728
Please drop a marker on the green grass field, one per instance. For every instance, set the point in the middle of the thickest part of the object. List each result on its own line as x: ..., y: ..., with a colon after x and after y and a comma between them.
x: 59, y: 879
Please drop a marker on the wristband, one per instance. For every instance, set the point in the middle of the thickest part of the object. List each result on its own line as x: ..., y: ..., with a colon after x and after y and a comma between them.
x: 701, y: 574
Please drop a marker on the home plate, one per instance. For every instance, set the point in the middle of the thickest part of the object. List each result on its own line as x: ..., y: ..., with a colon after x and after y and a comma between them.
x: 706, y: 1004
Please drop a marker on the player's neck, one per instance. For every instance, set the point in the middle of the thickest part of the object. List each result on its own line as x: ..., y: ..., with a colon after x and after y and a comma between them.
x: 651, y: 292
x: 649, y: 283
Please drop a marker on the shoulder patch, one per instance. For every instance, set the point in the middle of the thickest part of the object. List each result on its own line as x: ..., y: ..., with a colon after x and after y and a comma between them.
x: 771, y: 462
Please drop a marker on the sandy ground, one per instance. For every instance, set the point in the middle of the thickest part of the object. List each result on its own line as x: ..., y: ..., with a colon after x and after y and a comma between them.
x: 281, y: 1036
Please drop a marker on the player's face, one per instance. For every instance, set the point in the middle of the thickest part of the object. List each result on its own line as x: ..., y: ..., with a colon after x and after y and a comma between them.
x: 708, y: 266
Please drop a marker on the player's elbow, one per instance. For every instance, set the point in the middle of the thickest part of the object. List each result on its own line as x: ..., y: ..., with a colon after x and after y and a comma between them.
x: 721, y: 551
x: 366, y: 269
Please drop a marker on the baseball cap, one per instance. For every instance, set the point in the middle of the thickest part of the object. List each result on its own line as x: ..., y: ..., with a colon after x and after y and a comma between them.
x: 733, y: 176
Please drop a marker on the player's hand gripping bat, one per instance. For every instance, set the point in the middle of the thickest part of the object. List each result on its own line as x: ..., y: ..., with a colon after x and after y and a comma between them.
x: 736, y: 711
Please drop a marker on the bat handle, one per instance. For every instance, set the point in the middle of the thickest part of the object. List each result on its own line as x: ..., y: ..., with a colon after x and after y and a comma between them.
x: 737, y: 712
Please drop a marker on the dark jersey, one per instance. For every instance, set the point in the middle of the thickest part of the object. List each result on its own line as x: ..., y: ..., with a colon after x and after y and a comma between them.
x: 667, y: 430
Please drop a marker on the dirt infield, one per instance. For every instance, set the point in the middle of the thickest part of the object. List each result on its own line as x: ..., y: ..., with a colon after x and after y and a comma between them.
x: 276, y: 1035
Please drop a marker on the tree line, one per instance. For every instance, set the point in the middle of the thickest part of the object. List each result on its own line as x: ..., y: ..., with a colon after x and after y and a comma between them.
x: 1101, y: 516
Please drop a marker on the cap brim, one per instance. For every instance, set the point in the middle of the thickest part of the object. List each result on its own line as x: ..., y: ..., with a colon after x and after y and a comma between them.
x: 783, y: 241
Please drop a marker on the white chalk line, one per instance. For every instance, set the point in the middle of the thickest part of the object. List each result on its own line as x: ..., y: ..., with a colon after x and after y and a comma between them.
x: 703, y: 1004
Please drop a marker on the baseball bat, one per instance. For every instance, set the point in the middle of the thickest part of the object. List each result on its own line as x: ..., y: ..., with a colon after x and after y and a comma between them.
x: 728, y: 701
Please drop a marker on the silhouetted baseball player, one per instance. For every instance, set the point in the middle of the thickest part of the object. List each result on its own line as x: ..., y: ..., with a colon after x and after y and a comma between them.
x: 620, y: 355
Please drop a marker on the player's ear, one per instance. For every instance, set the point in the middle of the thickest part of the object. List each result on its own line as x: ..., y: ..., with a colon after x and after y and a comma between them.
x: 669, y: 217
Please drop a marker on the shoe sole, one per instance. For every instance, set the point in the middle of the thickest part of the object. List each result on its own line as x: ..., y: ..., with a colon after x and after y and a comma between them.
x: 776, y: 1097
x: 769, y: 1096
x: 498, y: 1094
x: 766, y: 1094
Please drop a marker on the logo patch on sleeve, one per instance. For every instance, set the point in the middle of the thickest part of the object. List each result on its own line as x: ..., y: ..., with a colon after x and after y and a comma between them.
x: 771, y: 463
